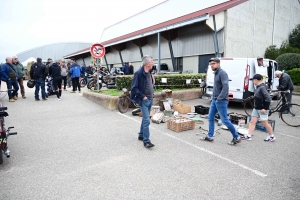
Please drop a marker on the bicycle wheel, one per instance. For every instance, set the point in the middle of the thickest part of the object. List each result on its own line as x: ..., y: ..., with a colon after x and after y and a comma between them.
x: 82, y: 83
x: 123, y: 104
x: 292, y: 117
x: 249, y: 105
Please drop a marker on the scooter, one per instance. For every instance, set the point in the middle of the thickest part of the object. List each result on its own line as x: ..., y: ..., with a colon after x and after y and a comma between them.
x: 4, y: 134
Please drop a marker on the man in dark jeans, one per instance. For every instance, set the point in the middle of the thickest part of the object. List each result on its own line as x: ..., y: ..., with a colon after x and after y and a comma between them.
x: 285, y: 83
x: 142, y: 94
x: 75, y: 71
x: 64, y: 73
x: 37, y: 73
x: 9, y: 75
x: 54, y: 72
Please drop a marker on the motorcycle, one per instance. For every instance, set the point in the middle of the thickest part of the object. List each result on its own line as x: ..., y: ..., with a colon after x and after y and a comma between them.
x: 104, y: 77
x: 4, y: 133
x: 84, y: 81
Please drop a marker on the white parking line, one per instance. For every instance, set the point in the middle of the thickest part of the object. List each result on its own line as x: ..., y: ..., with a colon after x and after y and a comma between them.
x: 203, y: 149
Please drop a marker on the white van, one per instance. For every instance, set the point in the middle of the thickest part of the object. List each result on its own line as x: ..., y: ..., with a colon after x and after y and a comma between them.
x: 240, y: 71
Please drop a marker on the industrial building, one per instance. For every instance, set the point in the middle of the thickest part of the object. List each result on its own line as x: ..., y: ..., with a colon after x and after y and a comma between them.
x: 185, y: 34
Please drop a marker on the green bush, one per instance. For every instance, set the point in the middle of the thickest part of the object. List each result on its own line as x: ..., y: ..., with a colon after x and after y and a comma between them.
x: 288, y: 61
x: 173, y: 81
x: 294, y: 37
x: 287, y: 48
x: 295, y: 75
x: 272, y: 52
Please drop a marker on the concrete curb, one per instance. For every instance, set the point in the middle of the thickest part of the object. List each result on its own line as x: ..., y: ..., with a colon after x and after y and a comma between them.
x: 110, y: 102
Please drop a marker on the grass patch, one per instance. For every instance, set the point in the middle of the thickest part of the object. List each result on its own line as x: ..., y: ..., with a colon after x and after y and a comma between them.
x: 115, y: 92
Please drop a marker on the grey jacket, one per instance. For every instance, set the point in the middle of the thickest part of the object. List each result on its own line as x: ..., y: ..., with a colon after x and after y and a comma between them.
x: 221, y: 87
x: 285, y: 83
x: 262, y: 98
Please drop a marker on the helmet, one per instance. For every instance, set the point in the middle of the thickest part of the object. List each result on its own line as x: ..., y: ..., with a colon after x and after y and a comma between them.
x: 30, y: 84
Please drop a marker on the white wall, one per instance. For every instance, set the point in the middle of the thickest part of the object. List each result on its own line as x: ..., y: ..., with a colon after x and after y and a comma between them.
x: 191, y: 63
x: 254, y: 25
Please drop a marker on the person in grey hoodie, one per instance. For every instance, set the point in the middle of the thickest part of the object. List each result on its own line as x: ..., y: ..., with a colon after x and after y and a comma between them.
x: 21, y: 72
x: 219, y: 103
x: 64, y: 73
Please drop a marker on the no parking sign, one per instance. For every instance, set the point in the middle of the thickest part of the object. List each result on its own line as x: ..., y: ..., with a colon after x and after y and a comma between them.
x: 97, y: 50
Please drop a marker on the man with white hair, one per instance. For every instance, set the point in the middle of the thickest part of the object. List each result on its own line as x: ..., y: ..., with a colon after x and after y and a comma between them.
x: 21, y: 72
x: 285, y: 83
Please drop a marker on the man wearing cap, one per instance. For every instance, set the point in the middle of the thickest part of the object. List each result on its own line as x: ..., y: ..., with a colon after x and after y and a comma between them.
x: 21, y: 72
x: 262, y: 102
x: 75, y: 72
x: 219, y: 103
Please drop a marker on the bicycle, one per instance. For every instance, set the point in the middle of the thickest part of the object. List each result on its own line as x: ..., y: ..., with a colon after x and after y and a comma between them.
x: 289, y: 113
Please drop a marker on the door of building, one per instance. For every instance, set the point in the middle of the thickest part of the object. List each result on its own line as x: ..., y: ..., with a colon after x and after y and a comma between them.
x: 203, y: 62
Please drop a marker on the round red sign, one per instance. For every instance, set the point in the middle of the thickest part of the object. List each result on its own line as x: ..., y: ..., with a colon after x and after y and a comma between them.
x: 97, y: 50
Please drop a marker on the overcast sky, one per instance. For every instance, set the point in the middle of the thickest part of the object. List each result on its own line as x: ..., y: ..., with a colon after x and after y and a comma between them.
x: 26, y: 24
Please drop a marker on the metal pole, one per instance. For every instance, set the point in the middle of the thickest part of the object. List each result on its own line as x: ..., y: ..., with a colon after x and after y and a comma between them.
x: 158, y: 46
x: 98, y: 74
x: 216, y: 38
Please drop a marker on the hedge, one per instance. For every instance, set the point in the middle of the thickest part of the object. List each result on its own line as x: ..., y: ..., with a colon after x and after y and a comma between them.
x: 173, y: 81
x: 295, y: 75
x: 288, y: 61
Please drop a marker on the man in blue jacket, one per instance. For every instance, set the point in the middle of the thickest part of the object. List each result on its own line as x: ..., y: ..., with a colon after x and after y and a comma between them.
x: 75, y: 71
x: 142, y: 94
x: 219, y: 103
x: 9, y: 74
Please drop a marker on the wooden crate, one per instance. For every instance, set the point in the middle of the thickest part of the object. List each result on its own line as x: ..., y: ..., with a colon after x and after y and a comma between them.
x: 181, y: 124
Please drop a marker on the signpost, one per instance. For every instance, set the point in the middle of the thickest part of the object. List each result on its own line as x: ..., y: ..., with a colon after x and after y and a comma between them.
x: 97, y: 51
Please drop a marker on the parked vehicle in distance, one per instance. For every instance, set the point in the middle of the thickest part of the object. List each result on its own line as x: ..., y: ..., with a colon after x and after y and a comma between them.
x: 240, y: 72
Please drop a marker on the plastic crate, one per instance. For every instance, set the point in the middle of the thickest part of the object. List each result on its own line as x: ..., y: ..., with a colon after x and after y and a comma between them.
x: 235, y: 118
x: 202, y: 110
x: 180, y: 124
x: 259, y: 126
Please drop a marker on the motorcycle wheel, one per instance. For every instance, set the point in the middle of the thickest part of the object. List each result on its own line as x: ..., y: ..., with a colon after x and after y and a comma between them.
x: 91, y: 84
x: 123, y: 105
x: 100, y: 86
x: 82, y: 83
x: 1, y: 157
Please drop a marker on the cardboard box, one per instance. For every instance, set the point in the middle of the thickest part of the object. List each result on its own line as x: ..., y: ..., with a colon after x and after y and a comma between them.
x: 182, y: 108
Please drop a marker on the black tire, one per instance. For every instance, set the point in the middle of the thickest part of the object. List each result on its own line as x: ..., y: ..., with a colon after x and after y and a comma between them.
x: 91, y: 84
x: 99, y: 85
x: 292, y: 118
x: 123, y: 105
x: 1, y: 157
x: 248, y: 105
x: 82, y: 83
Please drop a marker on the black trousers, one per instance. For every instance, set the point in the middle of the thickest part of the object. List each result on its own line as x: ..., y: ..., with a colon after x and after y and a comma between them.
x: 75, y: 83
x: 57, y: 86
x: 64, y: 78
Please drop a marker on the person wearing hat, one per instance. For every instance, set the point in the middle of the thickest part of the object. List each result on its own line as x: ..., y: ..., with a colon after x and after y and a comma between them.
x: 285, y: 83
x: 219, y: 103
x: 262, y: 102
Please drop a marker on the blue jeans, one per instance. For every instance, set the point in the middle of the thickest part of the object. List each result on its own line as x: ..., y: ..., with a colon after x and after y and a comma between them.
x: 144, y: 130
x: 40, y: 82
x: 10, y: 84
x: 220, y: 107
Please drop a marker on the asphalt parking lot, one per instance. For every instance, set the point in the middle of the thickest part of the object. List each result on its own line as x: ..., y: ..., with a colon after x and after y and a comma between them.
x: 76, y: 149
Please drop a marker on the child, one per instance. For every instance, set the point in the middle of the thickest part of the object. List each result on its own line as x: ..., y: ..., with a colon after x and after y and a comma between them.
x: 262, y: 102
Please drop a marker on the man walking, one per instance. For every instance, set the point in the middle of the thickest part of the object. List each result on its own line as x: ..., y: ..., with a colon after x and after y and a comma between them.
x: 219, y: 103
x: 10, y: 75
x: 142, y: 94
x: 21, y: 72
x: 64, y: 73
x: 55, y: 73
x: 38, y: 73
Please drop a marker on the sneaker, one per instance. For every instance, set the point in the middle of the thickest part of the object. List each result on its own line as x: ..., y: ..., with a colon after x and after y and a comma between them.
x: 140, y: 138
x: 57, y: 99
x: 148, y: 145
x: 15, y: 98
x: 45, y: 99
x: 23, y: 96
x: 37, y: 99
x: 234, y: 141
x: 270, y: 138
x: 207, y: 139
x: 246, y: 137
x: 72, y: 92
x: 11, y: 100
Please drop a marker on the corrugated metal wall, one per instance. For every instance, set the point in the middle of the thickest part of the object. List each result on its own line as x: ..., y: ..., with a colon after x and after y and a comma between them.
x: 54, y: 51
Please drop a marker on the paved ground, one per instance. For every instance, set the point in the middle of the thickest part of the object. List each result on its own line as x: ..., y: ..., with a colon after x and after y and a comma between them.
x: 76, y: 149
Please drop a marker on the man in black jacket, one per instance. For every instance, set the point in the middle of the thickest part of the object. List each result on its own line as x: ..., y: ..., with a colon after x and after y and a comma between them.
x: 285, y: 83
x: 55, y: 73
x: 37, y: 73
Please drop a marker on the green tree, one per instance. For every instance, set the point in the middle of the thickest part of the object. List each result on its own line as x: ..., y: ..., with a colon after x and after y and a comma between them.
x: 288, y: 61
x: 294, y: 37
x: 272, y: 52
x: 287, y: 48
